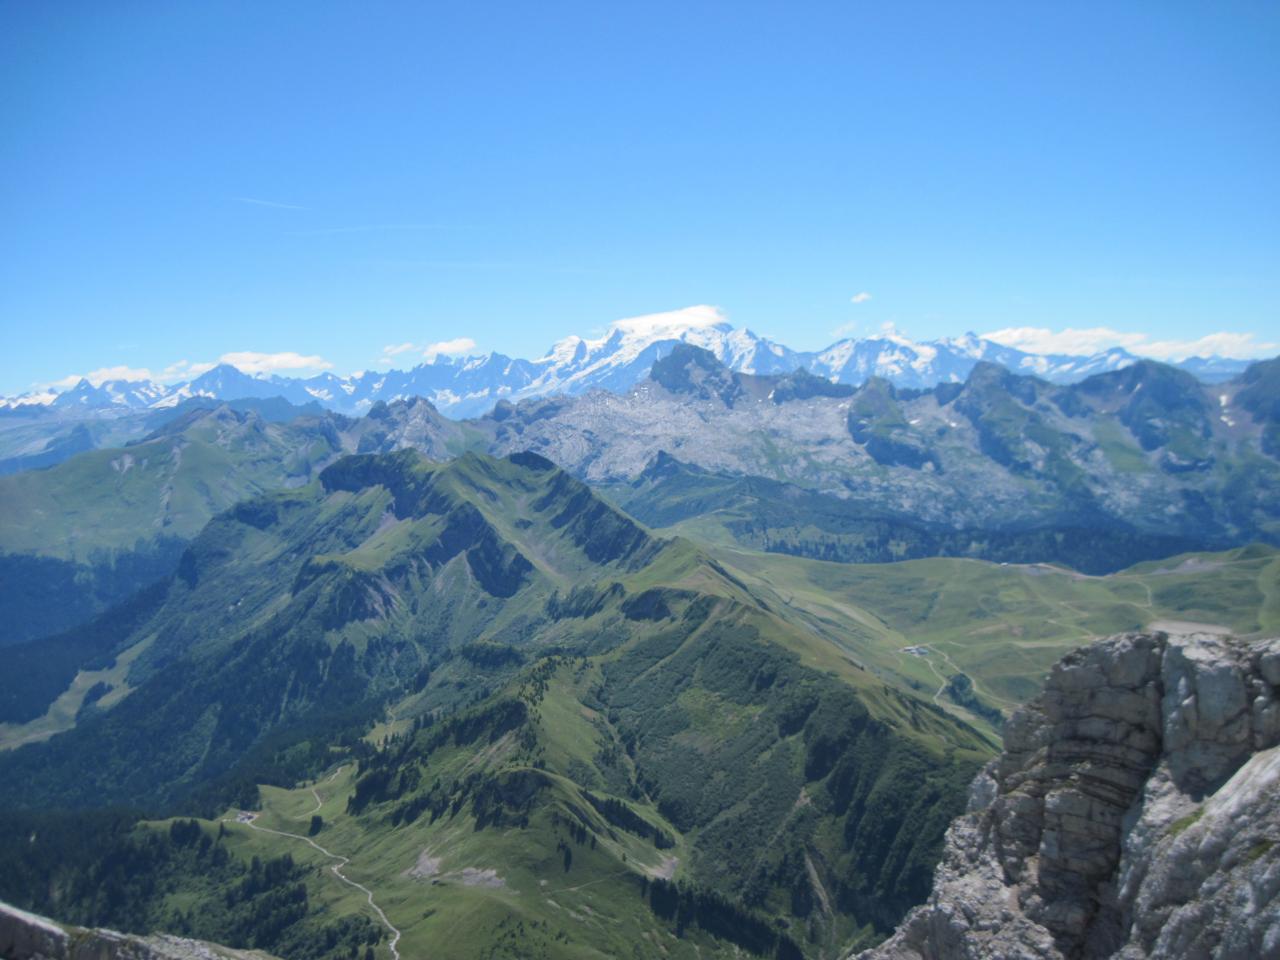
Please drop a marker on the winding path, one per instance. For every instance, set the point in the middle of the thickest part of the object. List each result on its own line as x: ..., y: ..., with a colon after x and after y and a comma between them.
x: 320, y: 803
x: 941, y: 678
x: 983, y: 690
x: 316, y: 809
x: 336, y: 868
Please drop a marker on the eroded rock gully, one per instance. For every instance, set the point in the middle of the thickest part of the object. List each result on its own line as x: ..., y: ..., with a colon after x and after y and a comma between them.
x: 1134, y: 814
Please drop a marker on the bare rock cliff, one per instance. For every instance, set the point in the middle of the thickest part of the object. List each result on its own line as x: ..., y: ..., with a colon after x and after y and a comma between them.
x: 26, y: 936
x: 1134, y: 814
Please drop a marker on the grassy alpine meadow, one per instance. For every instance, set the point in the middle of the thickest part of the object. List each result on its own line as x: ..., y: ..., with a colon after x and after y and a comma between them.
x: 1004, y: 625
x: 560, y: 799
x: 471, y: 709
x: 545, y: 816
x: 512, y: 708
x: 520, y: 482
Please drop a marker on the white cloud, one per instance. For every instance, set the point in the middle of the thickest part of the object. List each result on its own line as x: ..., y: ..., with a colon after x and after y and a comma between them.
x: 672, y: 322
x: 448, y: 348
x: 1241, y: 346
x: 1089, y: 340
x: 393, y: 350
x: 102, y: 375
x: 862, y: 297
x: 1070, y: 340
x: 183, y: 370
x: 249, y: 361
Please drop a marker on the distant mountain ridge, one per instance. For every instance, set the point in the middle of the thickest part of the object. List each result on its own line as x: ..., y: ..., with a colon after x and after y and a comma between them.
x: 472, y: 385
x: 1128, y: 465
x: 1146, y: 448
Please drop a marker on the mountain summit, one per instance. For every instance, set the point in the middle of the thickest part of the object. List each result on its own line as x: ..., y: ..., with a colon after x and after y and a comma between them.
x: 617, y: 361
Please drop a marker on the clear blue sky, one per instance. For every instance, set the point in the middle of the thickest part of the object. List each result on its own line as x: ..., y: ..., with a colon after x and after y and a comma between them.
x: 516, y: 172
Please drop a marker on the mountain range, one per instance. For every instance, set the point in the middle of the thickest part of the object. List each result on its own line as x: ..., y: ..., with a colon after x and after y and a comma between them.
x: 525, y: 724
x: 1121, y: 467
x: 470, y: 386
x: 586, y: 702
x: 575, y: 678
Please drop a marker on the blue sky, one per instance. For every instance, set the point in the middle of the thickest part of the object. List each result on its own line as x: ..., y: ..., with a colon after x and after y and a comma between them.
x: 180, y: 182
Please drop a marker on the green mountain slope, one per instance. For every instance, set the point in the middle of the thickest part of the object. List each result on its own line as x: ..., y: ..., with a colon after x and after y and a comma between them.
x: 777, y: 517
x: 89, y: 532
x: 570, y: 699
x: 1126, y: 466
x: 33, y: 437
x: 85, y: 534
x: 1001, y: 626
x: 530, y: 727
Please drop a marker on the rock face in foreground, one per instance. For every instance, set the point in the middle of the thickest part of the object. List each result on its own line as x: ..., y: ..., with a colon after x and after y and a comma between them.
x: 25, y: 936
x: 1134, y: 813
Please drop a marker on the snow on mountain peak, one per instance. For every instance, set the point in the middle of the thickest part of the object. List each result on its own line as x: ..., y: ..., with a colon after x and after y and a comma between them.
x: 631, y: 335
x: 467, y: 385
x: 564, y: 351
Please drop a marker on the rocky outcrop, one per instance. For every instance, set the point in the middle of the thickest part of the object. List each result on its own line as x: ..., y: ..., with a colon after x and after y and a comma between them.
x: 1134, y: 814
x: 25, y: 936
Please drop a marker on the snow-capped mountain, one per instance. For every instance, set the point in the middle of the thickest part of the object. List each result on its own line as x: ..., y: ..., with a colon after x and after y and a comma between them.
x: 225, y: 382
x: 616, y: 361
x: 117, y: 394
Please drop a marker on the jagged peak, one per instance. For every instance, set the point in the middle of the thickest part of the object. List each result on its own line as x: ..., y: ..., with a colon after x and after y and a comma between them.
x: 695, y: 370
x: 616, y: 360
x: 221, y: 371
x: 662, y: 464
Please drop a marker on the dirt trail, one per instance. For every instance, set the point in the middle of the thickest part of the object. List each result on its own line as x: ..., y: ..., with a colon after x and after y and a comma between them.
x: 312, y: 812
x: 983, y: 690
x: 590, y: 883
x: 336, y: 868
x: 940, y: 677
x: 316, y: 794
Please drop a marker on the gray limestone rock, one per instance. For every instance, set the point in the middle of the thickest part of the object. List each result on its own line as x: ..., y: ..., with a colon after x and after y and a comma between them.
x: 26, y: 936
x: 1134, y: 814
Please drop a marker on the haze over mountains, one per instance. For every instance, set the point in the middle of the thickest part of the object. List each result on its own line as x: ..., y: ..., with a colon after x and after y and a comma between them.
x: 1121, y: 467
x: 463, y: 386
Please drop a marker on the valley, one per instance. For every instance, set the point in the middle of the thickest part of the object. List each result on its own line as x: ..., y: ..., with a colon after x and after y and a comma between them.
x: 400, y: 686
x: 1088, y: 475
x: 653, y: 481
x: 603, y: 668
